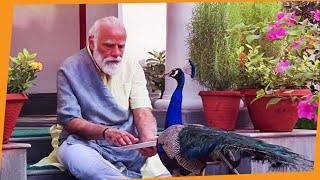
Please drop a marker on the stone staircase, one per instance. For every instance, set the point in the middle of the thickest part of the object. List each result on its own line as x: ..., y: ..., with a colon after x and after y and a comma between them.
x: 40, y: 142
x: 302, y: 141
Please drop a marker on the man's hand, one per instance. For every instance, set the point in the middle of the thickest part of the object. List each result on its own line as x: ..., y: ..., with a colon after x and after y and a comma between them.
x: 120, y: 138
x: 149, y: 151
x: 147, y: 129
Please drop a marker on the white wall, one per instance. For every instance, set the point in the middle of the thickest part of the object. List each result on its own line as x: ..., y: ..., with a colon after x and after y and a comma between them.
x: 97, y: 11
x: 52, y: 31
x: 146, y: 28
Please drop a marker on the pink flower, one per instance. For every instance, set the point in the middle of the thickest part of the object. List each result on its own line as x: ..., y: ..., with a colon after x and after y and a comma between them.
x: 282, y: 16
x: 291, y: 20
x: 282, y: 64
x: 296, y: 44
x: 276, y: 24
x: 306, y: 109
x: 316, y: 15
x: 276, y: 33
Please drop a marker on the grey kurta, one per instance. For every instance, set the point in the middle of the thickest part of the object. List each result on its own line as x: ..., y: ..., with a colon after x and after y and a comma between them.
x: 82, y: 94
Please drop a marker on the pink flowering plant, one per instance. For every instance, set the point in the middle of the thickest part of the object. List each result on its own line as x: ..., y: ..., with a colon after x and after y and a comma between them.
x: 308, y: 112
x: 279, y: 55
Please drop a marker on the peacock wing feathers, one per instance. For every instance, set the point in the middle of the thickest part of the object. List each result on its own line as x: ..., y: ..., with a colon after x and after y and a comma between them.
x: 169, y: 140
x: 203, y: 142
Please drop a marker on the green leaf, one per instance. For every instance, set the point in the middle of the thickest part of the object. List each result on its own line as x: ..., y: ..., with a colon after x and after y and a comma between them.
x: 292, y: 33
x: 251, y: 38
x: 273, y: 101
x: 250, y: 47
x: 33, y: 55
x: 260, y: 93
x: 25, y: 53
x: 314, y: 99
x: 20, y: 56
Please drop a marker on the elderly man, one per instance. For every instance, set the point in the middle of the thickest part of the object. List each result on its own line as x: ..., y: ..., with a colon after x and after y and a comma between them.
x: 103, y: 103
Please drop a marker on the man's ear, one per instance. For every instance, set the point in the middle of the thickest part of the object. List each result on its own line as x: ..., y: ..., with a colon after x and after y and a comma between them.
x: 91, y: 42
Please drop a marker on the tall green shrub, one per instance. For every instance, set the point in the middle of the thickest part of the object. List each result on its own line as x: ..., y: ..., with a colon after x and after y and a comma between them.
x: 212, y: 49
x: 208, y: 46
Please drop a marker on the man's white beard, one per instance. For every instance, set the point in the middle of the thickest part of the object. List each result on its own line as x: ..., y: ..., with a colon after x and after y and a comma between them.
x: 105, y: 65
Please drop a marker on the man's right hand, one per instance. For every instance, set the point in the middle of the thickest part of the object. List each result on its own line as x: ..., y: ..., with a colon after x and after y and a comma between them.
x: 120, y: 138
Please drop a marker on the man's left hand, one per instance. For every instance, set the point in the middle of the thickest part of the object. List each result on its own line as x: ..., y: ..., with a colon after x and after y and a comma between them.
x: 149, y: 151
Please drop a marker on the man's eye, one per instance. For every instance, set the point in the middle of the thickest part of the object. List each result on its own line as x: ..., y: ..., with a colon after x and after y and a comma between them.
x: 109, y: 45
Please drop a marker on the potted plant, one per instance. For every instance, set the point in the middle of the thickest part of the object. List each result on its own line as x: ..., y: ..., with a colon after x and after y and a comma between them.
x: 214, y: 58
x: 22, y: 70
x: 154, y: 71
x: 216, y: 69
x: 278, y: 79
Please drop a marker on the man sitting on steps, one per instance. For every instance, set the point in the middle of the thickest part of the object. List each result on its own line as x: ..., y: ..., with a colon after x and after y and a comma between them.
x: 103, y: 103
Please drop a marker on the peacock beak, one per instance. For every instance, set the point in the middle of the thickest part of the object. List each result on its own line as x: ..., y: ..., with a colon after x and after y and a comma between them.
x: 166, y: 74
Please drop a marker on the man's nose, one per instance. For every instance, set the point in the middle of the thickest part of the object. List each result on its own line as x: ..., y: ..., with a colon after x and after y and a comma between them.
x: 116, y: 51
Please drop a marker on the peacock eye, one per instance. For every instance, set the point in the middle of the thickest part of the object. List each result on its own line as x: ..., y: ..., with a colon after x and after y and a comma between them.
x: 174, y: 73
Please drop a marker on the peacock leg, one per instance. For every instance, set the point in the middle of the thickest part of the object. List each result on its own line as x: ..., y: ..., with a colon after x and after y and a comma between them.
x: 202, y: 173
x: 224, y: 159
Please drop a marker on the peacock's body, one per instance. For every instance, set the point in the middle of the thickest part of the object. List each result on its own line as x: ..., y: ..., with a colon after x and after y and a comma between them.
x: 186, y: 149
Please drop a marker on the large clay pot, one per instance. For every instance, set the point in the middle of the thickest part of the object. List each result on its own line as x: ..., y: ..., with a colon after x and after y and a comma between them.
x: 14, y: 104
x: 280, y: 117
x: 221, y: 108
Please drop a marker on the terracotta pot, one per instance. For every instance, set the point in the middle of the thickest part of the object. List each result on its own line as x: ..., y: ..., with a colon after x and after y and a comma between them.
x: 221, y: 108
x: 280, y: 117
x: 14, y: 104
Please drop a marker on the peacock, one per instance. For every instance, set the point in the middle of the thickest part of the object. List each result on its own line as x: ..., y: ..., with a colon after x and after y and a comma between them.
x: 186, y: 149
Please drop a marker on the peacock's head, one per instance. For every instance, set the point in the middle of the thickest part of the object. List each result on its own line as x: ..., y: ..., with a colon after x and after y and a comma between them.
x: 176, y: 73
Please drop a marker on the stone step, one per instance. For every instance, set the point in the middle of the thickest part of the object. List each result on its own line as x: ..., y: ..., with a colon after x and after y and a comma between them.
x: 188, y: 116
x: 14, y: 161
x: 38, y: 138
x: 48, y: 173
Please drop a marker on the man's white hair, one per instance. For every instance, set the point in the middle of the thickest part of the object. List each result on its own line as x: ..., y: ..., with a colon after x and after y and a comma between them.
x: 95, y: 28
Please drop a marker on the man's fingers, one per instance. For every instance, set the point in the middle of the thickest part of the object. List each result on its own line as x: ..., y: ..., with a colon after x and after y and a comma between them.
x: 132, y: 138
x: 122, y: 142
x: 127, y: 140
x: 120, y: 138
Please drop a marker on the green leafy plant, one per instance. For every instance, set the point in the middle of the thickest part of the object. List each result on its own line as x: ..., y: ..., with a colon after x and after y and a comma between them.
x: 154, y: 71
x: 296, y: 64
x: 210, y: 49
x: 22, y: 70
x: 306, y: 124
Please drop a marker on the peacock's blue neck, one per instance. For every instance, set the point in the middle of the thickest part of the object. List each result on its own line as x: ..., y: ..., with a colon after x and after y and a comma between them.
x: 174, y: 112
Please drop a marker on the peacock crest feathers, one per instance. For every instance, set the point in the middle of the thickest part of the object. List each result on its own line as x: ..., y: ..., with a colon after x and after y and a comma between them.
x: 190, y: 69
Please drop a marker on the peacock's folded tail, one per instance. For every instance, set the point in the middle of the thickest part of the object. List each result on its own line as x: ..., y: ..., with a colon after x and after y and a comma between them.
x: 198, y: 142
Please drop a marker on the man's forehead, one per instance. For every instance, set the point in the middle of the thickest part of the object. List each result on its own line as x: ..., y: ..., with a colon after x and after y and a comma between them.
x: 109, y: 41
